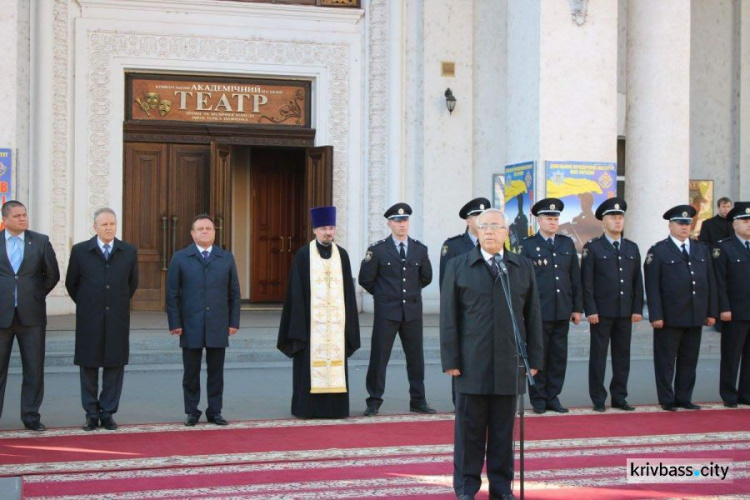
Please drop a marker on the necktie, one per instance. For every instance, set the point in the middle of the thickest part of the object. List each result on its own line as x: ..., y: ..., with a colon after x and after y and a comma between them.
x: 493, y: 268
x: 15, y: 254
x: 205, y: 254
x: 551, y: 242
x: 617, y: 246
x: 684, y: 253
x: 747, y: 245
x: 106, y: 251
x: 402, y: 251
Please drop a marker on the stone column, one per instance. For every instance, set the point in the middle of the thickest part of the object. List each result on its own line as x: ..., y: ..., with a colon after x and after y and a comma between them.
x: 743, y: 128
x: 658, y: 119
x: 562, y: 84
x: 14, y: 91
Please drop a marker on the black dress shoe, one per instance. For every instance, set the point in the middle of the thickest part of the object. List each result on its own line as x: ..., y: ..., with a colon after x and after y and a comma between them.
x: 217, y: 419
x: 539, y: 410
x: 465, y: 497
x: 35, y: 426
x: 669, y: 407
x: 91, y: 424
x: 624, y: 406
x: 191, y: 420
x: 730, y: 405
x: 109, y: 424
x: 371, y: 410
x: 557, y: 407
x: 743, y: 402
x: 688, y: 406
x: 422, y: 408
x: 599, y: 408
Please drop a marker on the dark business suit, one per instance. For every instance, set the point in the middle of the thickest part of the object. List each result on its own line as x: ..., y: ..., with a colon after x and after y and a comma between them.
x: 558, y: 279
x: 476, y: 337
x: 203, y: 298
x: 37, y: 276
x: 732, y: 266
x: 682, y: 293
x: 102, y: 290
x: 396, y: 287
x: 612, y: 288
x: 715, y: 229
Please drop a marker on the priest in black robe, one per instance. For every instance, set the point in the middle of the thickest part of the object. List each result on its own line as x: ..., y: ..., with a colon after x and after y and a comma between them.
x: 320, y: 386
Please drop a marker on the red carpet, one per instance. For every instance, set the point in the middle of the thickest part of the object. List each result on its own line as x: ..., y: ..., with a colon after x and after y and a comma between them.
x: 578, y: 455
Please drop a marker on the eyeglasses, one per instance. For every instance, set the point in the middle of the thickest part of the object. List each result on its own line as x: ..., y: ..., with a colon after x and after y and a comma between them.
x: 491, y: 227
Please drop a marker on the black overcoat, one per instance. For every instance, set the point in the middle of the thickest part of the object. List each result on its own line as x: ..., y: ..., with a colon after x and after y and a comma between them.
x: 102, y: 291
x: 476, y: 333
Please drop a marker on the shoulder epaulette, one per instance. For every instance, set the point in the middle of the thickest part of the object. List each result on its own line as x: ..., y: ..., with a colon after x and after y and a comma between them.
x: 379, y: 242
x: 458, y: 236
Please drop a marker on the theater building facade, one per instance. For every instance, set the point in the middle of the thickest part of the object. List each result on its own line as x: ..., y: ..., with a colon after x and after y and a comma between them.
x: 255, y: 111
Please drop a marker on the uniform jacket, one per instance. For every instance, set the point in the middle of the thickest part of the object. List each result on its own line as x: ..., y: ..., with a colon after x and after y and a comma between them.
x: 732, y: 266
x: 36, y: 277
x: 102, y: 291
x: 476, y: 333
x: 558, y: 276
x: 612, y: 283
x: 715, y: 229
x: 452, y: 247
x: 681, y: 293
x: 203, y: 297
x: 396, y: 288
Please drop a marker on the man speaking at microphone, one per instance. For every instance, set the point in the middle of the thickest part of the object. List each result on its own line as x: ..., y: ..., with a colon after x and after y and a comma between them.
x: 478, y: 348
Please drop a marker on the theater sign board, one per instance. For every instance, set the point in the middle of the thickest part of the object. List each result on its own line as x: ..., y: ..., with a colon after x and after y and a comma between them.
x: 230, y: 101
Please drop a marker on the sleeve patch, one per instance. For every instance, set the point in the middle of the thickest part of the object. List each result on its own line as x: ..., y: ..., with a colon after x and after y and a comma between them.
x: 716, y: 253
x: 649, y: 258
x: 368, y: 256
x: 444, y: 252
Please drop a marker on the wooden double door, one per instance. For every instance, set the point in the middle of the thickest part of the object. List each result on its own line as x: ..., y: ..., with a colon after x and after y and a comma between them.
x: 167, y: 185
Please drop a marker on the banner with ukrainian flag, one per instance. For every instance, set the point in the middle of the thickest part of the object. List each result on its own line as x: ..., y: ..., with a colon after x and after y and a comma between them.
x: 519, y: 197
x: 581, y: 186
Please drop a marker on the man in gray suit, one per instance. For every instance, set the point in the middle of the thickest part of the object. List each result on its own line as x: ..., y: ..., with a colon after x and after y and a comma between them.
x: 28, y: 272
x: 478, y: 349
x: 203, y: 308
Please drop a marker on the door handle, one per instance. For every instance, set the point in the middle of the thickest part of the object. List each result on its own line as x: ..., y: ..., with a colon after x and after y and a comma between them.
x: 174, y: 234
x: 289, y: 246
x: 164, y: 241
x: 281, y: 248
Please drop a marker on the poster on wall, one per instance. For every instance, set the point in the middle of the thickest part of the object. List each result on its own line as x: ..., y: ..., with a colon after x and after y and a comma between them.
x: 6, y: 162
x: 498, y: 191
x: 519, y: 197
x: 582, y: 187
x: 701, y: 196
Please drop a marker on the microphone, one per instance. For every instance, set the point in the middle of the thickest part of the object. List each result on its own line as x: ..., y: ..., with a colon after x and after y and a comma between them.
x: 500, y: 264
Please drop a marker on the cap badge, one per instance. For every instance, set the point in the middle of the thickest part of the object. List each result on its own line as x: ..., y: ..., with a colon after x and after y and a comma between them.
x: 552, y: 206
x: 684, y: 214
x: 747, y: 210
x: 401, y: 211
x: 481, y: 206
x: 617, y: 206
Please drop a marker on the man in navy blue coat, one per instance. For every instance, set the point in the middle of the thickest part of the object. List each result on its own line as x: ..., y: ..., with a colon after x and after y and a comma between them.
x: 203, y: 308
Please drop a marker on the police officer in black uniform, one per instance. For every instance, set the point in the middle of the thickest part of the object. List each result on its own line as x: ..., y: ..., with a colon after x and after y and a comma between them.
x: 682, y: 297
x: 394, y: 271
x: 558, y: 279
x: 467, y: 240
x: 613, y: 301
x: 732, y: 266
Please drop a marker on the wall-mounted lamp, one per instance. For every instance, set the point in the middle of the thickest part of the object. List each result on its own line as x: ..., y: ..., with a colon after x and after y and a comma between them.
x: 450, y: 101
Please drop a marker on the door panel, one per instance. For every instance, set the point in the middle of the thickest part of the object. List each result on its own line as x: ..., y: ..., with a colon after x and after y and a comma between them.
x: 188, y: 189
x: 220, y: 196
x: 318, y: 181
x: 144, y: 205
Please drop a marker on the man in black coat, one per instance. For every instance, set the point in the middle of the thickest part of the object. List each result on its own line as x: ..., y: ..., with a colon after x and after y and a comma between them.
x: 478, y: 348
x: 732, y: 266
x: 682, y: 297
x: 394, y: 271
x: 102, y: 278
x: 558, y: 279
x: 719, y: 226
x: 613, y: 301
x: 28, y: 272
x: 203, y: 308
x: 320, y: 309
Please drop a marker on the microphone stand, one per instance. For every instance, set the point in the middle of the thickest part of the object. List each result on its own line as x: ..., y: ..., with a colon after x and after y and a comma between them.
x: 523, y: 362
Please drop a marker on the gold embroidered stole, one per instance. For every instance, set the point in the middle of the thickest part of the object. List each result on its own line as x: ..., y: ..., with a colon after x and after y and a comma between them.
x: 327, y: 323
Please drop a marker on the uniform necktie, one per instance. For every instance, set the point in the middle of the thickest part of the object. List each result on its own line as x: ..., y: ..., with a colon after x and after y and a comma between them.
x: 684, y: 253
x: 205, y: 254
x: 402, y: 251
x: 551, y: 242
x: 617, y: 246
x: 106, y: 251
x: 493, y: 268
x: 747, y: 245
x: 15, y: 254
